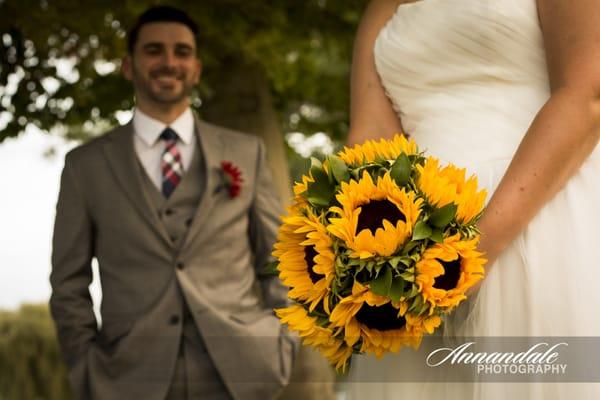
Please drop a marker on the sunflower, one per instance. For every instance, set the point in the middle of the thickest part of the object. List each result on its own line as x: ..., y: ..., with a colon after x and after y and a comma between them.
x: 337, y: 353
x: 299, y: 320
x: 442, y: 186
x: 371, y: 150
x: 300, y: 188
x: 447, y: 270
x: 375, y: 219
x: 306, y: 258
x: 418, y: 324
x: 375, y: 319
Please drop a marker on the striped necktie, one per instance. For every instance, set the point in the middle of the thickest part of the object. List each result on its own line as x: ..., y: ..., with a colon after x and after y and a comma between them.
x: 170, y: 163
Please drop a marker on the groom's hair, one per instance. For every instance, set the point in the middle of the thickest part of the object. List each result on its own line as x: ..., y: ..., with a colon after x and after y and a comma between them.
x: 160, y: 14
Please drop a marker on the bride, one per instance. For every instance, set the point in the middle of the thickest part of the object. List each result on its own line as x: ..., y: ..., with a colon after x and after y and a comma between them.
x: 510, y: 90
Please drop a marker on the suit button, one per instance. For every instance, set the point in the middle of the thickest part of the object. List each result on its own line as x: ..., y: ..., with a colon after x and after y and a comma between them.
x: 180, y: 265
x: 174, y: 320
x: 169, y: 211
x: 188, y: 222
x: 173, y: 238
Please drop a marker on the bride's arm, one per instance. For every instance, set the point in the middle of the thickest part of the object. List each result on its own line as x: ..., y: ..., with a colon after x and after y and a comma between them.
x: 564, y: 132
x: 371, y: 113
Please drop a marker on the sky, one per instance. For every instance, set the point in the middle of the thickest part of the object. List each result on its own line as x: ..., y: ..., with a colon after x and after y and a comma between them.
x: 30, y: 183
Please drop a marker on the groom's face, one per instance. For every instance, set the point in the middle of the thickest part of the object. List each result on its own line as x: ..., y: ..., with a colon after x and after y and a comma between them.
x: 163, y: 67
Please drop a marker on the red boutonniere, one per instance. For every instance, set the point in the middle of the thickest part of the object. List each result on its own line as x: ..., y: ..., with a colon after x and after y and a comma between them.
x: 232, y: 178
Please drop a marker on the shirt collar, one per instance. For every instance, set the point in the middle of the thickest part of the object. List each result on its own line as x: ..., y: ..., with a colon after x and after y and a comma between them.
x: 149, y: 129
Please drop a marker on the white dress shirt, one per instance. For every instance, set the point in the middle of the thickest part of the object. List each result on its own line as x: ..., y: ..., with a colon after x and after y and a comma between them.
x: 149, y: 147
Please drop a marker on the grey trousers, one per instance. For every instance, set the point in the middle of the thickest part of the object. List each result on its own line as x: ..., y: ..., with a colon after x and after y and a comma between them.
x: 195, y: 376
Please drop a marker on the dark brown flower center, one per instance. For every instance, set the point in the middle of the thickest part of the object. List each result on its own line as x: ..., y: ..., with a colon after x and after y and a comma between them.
x: 309, y: 257
x: 373, y: 213
x: 382, y: 318
x: 449, y: 279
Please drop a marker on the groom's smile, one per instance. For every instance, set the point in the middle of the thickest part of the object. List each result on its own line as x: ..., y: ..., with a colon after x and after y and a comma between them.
x: 163, y: 66
x: 168, y: 80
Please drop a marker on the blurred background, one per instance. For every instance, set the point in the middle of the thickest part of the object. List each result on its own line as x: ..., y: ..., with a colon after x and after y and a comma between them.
x: 278, y: 69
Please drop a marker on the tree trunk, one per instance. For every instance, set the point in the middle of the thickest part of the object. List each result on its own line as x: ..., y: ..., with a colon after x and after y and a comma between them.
x: 242, y: 101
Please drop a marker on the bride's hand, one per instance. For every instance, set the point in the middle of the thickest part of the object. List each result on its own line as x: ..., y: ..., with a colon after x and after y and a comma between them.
x: 489, y: 246
x: 492, y: 241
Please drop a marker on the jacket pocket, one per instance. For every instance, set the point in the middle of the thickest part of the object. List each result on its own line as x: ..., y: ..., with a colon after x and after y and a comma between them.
x: 112, y: 332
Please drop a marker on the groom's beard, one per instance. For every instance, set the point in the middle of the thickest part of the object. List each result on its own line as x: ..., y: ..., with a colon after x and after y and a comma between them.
x: 164, y: 85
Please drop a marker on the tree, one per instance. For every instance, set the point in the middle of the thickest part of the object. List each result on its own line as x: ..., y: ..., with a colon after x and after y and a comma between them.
x: 269, y: 66
x: 30, y: 363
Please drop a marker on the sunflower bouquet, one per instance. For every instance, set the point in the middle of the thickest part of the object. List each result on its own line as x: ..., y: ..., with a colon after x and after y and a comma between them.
x: 379, y: 243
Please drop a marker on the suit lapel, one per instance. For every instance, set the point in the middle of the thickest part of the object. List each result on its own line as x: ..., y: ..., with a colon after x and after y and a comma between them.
x: 212, y: 148
x: 120, y: 152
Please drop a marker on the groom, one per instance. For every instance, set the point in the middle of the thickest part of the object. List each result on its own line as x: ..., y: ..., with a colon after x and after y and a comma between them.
x: 181, y: 216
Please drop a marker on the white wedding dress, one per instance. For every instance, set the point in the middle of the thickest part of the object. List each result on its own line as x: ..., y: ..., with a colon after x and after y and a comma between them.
x: 467, y: 77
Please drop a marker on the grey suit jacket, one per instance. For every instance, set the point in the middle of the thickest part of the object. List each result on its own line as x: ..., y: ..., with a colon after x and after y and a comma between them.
x: 103, y: 212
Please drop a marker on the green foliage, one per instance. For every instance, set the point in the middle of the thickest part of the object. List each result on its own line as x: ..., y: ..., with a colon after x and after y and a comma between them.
x: 396, y: 289
x: 443, y: 216
x: 303, y: 47
x: 421, y: 231
x: 382, y: 284
x: 30, y: 363
x: 320, y: 192
x: 401, y: 170
x: 339, y: 169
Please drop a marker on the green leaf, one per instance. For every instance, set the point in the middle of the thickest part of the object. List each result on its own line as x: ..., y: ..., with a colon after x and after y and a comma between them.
x: 396, y: 289
x: 377, y: 267
x: 442, y: 216
x: 422, y: 231
x: 408, y: 276
x: 339, y: 169
x: 417, y: 303
x: 318, y: 201
x: 381, y: 285
x: 359, y: 268
x: 406, y: 261
x: 415, y: 257
x: 270, y: 269
x: 413, y: 291
x: 346, y: 283
x: 321, y: 191
x: 400, y: 170
x: 410, y: 246
x: 437, y: 236
x: 319, y: 174
x: 394, y: 262
x: 423, y: 309
x: 315, y: 166
x: 354, y: 261
x: 381, y: 260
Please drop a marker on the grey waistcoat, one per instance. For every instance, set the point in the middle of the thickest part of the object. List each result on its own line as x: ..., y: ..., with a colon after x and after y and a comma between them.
x: 176, y: 214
